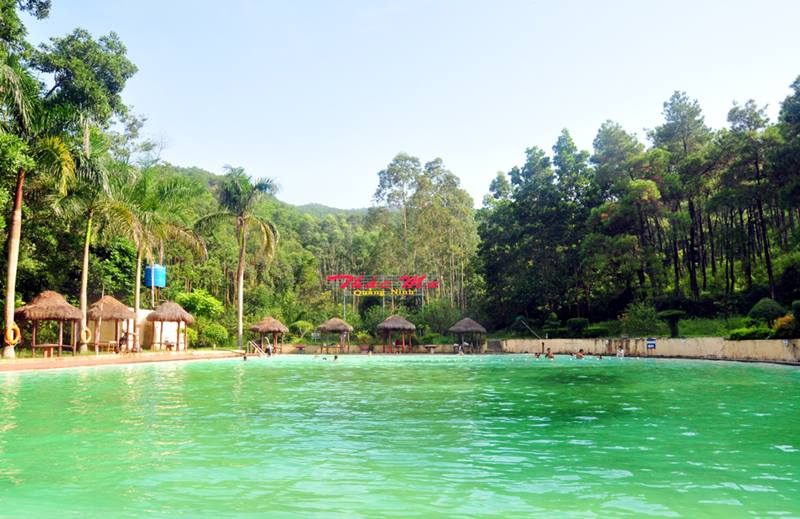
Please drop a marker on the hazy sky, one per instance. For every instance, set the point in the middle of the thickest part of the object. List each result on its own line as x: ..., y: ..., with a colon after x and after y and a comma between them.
x: 321, y: 95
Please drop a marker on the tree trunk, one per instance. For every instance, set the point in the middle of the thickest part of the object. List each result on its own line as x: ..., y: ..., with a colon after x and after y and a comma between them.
x: 240, y: 284
x: 14, y: 235
x: 87, y: 239
x: 137, y: 299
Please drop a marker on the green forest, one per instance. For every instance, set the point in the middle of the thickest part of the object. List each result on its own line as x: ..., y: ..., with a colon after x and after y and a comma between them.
x: 687, y: 224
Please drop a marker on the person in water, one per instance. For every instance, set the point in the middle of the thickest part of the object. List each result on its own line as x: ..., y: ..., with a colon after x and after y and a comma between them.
x: 621, y: 352
x: 579, y: 355
x: 335, y: 358
x: 599, y: 356
x: 549, y: 354
x: 536, y: 355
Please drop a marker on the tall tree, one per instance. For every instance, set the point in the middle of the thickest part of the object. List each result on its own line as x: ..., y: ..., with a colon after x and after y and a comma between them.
x: 238, y: 196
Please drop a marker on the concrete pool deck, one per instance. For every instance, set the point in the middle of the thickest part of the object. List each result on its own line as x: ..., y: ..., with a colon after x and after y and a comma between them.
x: 37, y: 364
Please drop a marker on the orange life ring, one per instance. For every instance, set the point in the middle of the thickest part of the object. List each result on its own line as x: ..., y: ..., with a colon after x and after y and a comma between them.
x: 13, y: 335
x: 86, y: 335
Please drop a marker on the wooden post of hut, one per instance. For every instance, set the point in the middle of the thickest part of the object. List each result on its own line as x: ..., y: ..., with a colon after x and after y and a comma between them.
x: 336, y: 325
x: 171, y: 312
x: 396, y: 323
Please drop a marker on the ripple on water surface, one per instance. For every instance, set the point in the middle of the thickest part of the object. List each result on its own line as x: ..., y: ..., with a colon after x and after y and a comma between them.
x: 403, y: 436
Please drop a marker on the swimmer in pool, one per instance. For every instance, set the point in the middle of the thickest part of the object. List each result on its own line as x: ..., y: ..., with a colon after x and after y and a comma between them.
x: 579, y: 355
x: 549, y: 354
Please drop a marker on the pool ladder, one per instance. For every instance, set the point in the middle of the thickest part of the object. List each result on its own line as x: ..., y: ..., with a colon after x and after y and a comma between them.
x: 255, y: 348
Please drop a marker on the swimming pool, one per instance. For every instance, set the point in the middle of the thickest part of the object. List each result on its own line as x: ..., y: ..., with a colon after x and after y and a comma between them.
x: 402, y: 436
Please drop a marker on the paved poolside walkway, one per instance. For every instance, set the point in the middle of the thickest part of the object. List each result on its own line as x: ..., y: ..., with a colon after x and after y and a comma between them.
x: 67, y: 361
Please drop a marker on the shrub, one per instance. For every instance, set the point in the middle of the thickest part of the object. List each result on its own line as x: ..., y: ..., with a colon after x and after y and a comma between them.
x: 373, y: 317
x: 594, y: 332
x: 301, y: 328
x: 432, y: 338
x: 212, y: 334
x: 200, y: 303
x: 191, y: 333
x: 363, y: 338
x: 672, y: 317
x: 438, y: 316
x: 785, y: 327
x: 577, y: 325
x: 640, y: 319
x: 742, y: 334
x: 767, y: 310
x: 796, y: 312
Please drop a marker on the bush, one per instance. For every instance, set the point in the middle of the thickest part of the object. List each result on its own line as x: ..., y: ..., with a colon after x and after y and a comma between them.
x: 363, y: 338
x: 373, y: 317
x: 593, y: 332
x: 200, y: 303
x: 704, y: 327
x: 433, y: 338
x: 301, y: 328
x: 640, y: 319
x: 577, y: 325
x: 438, y: 316
x: 757, y: 333
x: 785, y: 327
x: 672, y: 317
x: 796, y: 312
x: 191, y: 333
x: 767, y: 310
x: 212, y: 334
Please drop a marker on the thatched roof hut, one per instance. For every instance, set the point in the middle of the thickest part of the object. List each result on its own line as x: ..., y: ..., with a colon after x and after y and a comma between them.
x: 108, y: 308
x: 269, y: 325
x: 334, y: 324
x: 48, y: 306
x: 397, y: 324
x: 170, y: 312
x: 467, y: 325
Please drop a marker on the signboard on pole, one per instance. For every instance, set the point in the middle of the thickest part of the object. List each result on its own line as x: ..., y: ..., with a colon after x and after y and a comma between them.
x: 650, y: 343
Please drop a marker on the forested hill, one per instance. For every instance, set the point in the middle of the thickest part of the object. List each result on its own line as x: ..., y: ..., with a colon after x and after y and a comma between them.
x: 324, y: 210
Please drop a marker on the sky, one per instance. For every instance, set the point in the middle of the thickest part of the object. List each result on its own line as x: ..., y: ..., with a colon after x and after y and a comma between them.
x: 322, y: 95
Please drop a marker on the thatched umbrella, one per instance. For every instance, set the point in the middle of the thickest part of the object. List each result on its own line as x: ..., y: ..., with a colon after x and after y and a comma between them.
x: 50, y: 306
x: 467, y: 326
x: 170, y: 312
x: 395, y: 323
x: 333, y: 325
x: 270, y: 325
x: 108, y: 308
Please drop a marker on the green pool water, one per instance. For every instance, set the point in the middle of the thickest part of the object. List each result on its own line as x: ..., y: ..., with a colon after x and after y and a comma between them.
x: 402, y: 436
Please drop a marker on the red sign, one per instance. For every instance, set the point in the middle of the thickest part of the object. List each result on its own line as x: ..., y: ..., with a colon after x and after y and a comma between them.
x: 379, y: 285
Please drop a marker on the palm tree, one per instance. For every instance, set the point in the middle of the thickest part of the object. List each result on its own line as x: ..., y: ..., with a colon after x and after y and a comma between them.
x: 34, y: 149
x: 151, y: 210
x: 88, y: 198
x: 237, y: 197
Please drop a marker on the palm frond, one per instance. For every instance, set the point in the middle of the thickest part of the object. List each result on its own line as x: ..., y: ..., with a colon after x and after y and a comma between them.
x: 268, y: 234
x: 53, y: 158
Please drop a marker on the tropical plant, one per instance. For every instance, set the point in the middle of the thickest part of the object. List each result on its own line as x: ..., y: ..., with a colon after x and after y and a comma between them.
x: 237, y: 198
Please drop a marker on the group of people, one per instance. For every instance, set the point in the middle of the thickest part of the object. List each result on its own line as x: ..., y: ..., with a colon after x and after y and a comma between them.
x: 548, y: 354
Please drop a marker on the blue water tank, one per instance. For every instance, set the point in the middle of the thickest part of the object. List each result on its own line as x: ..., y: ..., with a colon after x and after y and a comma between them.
x: 155, y: 276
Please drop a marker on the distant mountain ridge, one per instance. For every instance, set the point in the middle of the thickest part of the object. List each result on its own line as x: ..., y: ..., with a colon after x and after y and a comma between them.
x: 324, y: 210
x: 210, y: 179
